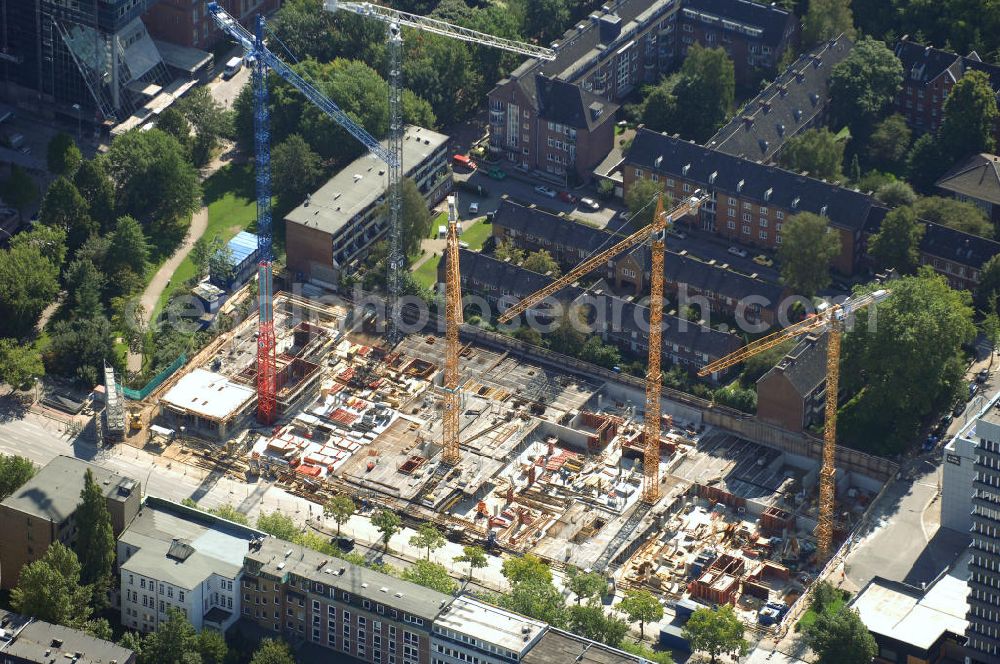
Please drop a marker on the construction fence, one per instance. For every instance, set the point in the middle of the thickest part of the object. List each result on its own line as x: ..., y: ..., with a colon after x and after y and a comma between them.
x: 157, y: 380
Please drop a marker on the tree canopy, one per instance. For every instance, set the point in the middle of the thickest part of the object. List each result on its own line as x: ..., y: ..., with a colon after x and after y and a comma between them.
x: 641, y: 606
x: 864, y: 84
x: 827, y: 19
x: 63, y: 207
x: 475, y: 556
x: 705, y: 92
x: 95, y: 543
x: 49, y: 589
x: 20, y: 364
x: 808, y: 246
x: 388, y: 524
x: 295, y: 168
x: 271, y: 651
x: 970, y: 111
x: 815, y: 150
x: 586, y: 585
x: 428, y: 537
x: 63, y: 156
x: 716, y: 632
x: 960, y: 215
x: 889, y: 143
x: 896, y: 245
x: 641, y: 203
x: 339, y: 508
x: 430, y: 575
x: 278, y: 525
x: 29, y: 281
x: 841, y: 638
x: 19, y: 190
x: 922, y: 318
x: 14, y: 472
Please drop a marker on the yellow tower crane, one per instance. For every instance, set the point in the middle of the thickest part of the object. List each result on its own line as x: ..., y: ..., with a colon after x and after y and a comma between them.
x: 452, y: 451
x: 832, y: 321
x: 655, y: 233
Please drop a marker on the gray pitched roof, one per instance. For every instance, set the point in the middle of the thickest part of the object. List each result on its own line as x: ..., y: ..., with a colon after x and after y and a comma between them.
x: 766, y: 184
x: 784, y: 107
x: 925, y: 63
x: 958, y: 247
x: 571, y: 105
x: 551, y: 227
x: 804, y: 365
x: 978, y: 177
x: 34, y: 640
x: 715, y: 279
x: 521, y: 282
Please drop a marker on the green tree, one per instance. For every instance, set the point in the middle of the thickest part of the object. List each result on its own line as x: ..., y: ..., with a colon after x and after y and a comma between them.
x: 546, y: 19
x: 536, y: 599
x: 508, y: 251
x: 428, y: 537
x: 645, y: 652
x: 734, y: 396
x: 152, y: 180
x: 63, y: 156
x: 895, y: 194
x: 29, y: 281
x: 295, y: 168
x: 897, y: 243
x: 19, y: 190
x: 220, y: 261
x: 175, y: 641
x: 441, y: 70
x: 200, y: 254
x: 475, y: 556
x: 430, y: 575
x: 49, y: 589
x: 388, y: 524
x: 80, y: 347
x: 640, y: 199
x: 415, y: 216
x: 641, y: 606
x: 173, y: 122
x: 814, y: 150
x: 586, y: 585
x: 95, y: 544
x: 716, y: 632
x: 827, y: 19
x: 526, y: 568
x: 568, y: 337
x: 341, y: 507
x: 591, y: 621
x: 306, y: 29
x: 960, y: 215
x: 841, y: 638
x: 863, y: 84
x: 63, y: 207
x: 659, y: 104
x: 808, y: 246
x: 209, y: 119
x: 705, y: 91
x: 230, y: 513
x: 824, y: 597
x: 922, y: 318
x: 888, y: 144
x: 925, y: 163
x: 14, y: 472
x: 95, y: 186
x: 989, y: 284
x: 212, y: 647
x: 541, y: 262
x: 597, y: 352
x: 20, y: 364
x: 272, y: 652
x: 970, y: 110
x: 84, y: 283
x: 128, y: 249
x: 278, y: 525
x: 528, y: 335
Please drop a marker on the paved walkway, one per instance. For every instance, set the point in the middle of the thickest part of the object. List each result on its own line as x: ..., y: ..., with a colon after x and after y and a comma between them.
x: 199, y: 222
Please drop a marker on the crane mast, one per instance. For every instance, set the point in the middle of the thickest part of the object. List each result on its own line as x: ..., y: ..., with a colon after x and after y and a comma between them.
x: 395, y: 20
x: 453, y: 319
x: 832, y: 321
x: 655, y: 233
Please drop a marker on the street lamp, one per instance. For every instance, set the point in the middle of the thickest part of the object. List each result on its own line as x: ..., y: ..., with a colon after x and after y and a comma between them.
x: 79, y: 122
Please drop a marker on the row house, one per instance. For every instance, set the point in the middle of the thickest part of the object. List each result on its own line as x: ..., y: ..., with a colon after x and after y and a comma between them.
x: 557, y: 116
x: 976, y: 181
x: 718, y: 288
x: 618, y: 320
x: 797, y: 100
x: 792, y: 394
x: 749, y: 202
x: 928, y: 76
x: 306, y: 596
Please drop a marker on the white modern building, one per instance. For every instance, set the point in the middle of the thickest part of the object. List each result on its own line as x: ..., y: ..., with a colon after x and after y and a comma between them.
x: 958, y: 470
x: 173, y: 556
x: 469, y: 631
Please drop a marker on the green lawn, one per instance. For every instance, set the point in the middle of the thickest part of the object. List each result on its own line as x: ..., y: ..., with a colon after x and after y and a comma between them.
x: 476, y: 234
x: 810, y: 616
x: 231, y: 208
x: 440, y: 220
x: 426, y: 274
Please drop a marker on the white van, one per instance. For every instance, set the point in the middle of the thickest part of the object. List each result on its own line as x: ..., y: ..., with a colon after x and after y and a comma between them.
x: 234, y: 65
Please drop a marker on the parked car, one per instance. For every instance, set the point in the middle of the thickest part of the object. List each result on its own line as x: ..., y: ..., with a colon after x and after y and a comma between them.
x: 473, y: 208
x: 590, y: 204
x: 983, y: 376
x: 736, y: 251
x: 567, y: 197
x: 931, y: 442
x: 545, y: 191
x: 497, y: 173
x: 943, y: 424
x: 464, y: 161
x: 958, y: 409
x: 973, y: 389
x: 233, y: 66
x: 763, y: 260
x: 344, y: 542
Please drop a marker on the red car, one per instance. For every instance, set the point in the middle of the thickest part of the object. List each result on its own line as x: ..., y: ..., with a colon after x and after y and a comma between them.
x: 567, y: 197
x: 462, y: 160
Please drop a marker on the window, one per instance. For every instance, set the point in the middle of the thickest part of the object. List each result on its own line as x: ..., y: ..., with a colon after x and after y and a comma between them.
x: 763, y: 235
x: 638, y: 173
x: 731, y: 225
x: 670, y: 183
x: 732, y: 212
x: 687, y: 187
x: 347, y: 616
x: 362, y: 623
x: 142, y: 583
x: 170, y: 591
x: 746, y: 230
x: 629, y: 273
x: 747, y: 206
x: 763, y: 222
x: 763, y: 211
x: 131, y: 580
x: 779, y: 215
x: 654, y: 177
x: 747, y: 216
x: 777, y: 239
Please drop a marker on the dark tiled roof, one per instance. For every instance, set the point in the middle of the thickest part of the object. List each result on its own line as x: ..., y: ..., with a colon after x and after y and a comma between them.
x: 571, y: 105
x: 926, y: 63
x: 956, y: 246
x: 804, y: 365
x: 782, y: 109
x: 551, y: 227
x: 656, y: 152
x: 520, y: 282
x: 979, y: 177
x: 715, y: 279
x: 768, y: 17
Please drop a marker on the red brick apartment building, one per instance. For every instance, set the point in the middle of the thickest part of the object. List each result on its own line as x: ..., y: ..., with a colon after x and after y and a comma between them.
x: 557, y: 117
x: 188, y: 23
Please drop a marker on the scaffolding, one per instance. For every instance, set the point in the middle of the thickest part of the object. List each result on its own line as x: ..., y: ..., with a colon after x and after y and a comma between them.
x: 114, y: 410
